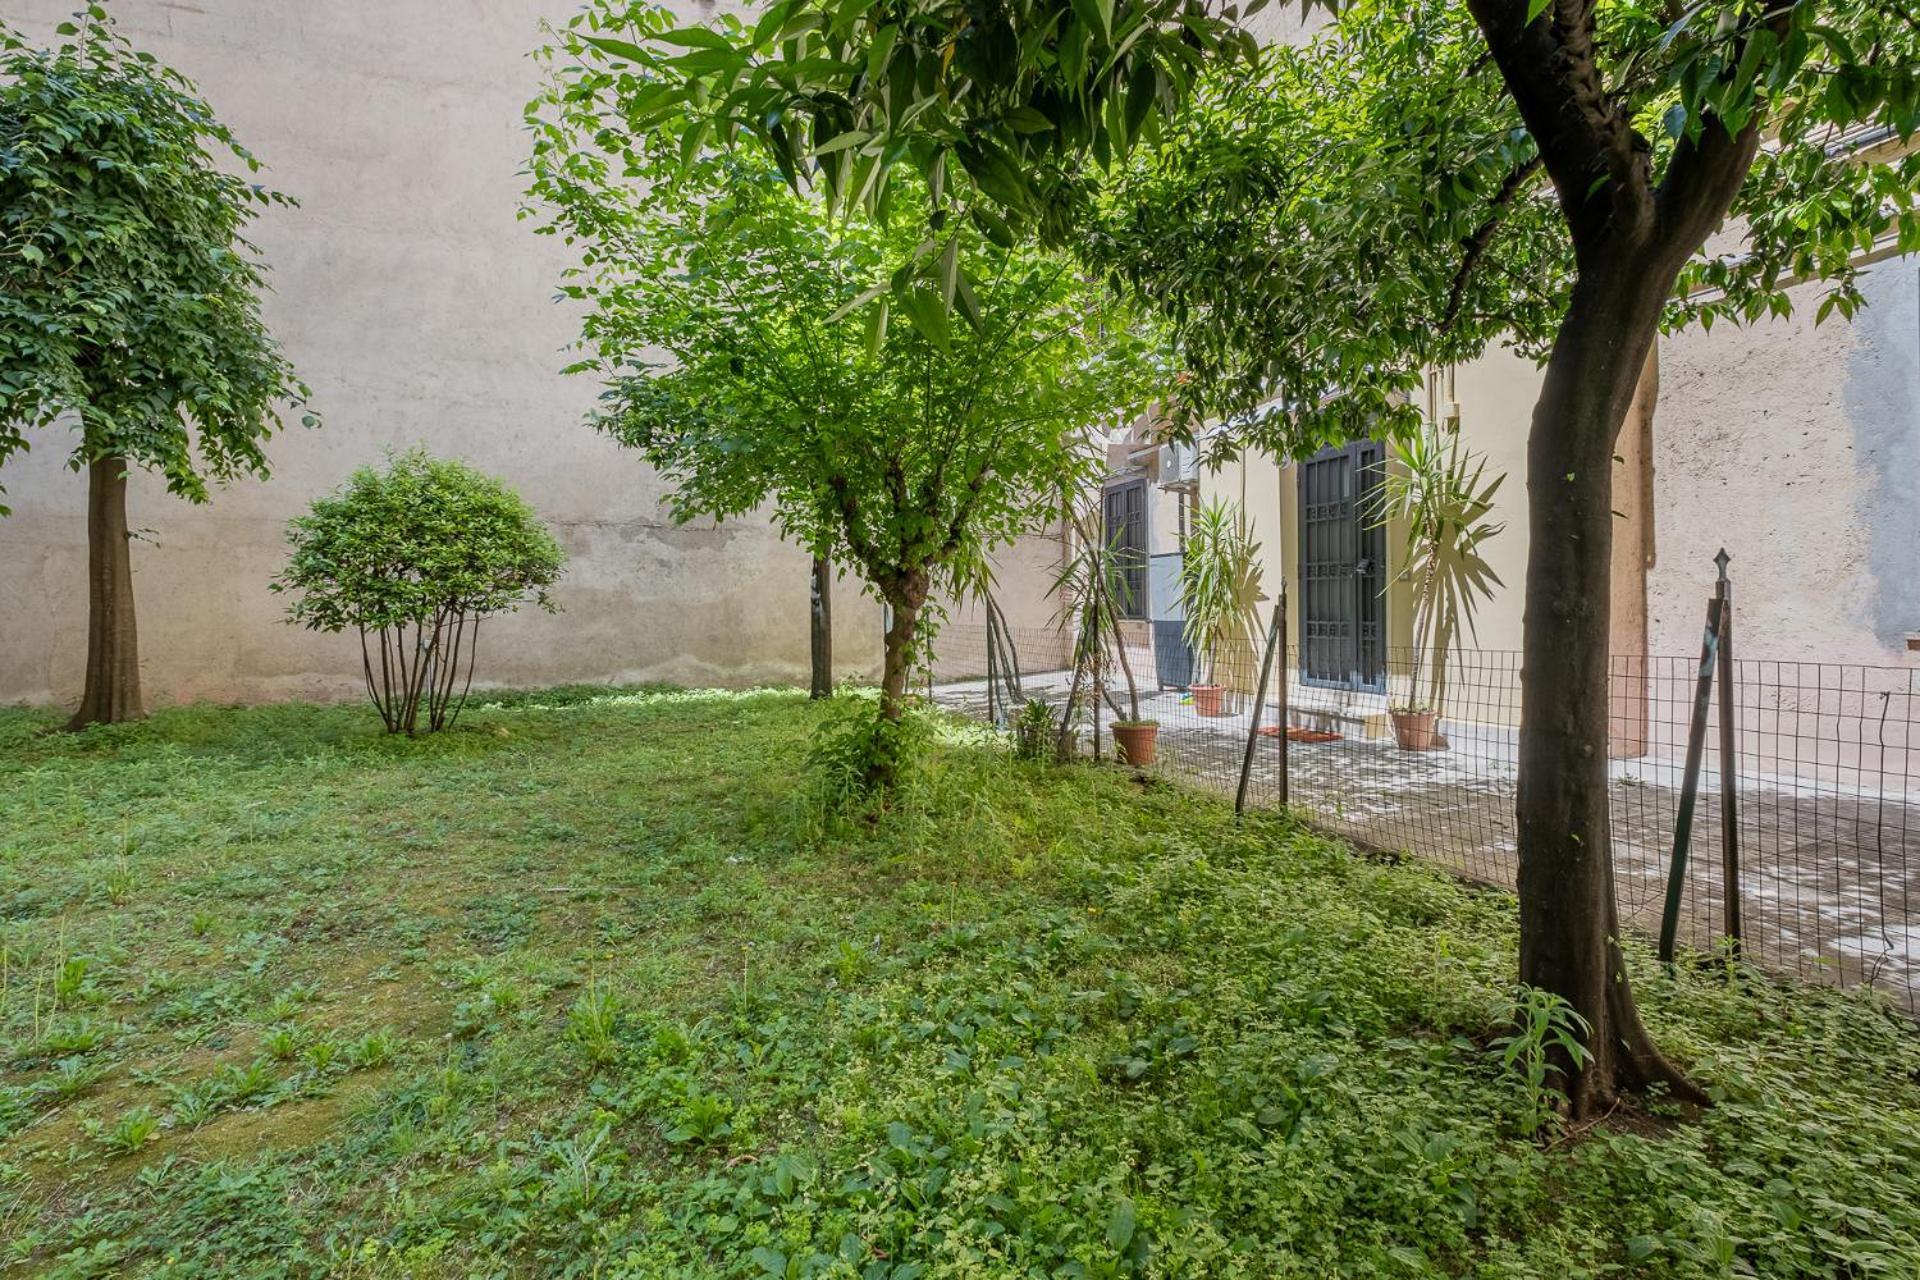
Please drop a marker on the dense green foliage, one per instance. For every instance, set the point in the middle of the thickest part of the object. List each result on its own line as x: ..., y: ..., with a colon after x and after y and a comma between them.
x: 423, y: 536
x: 1017, y: 103
x: 584, y: 988
x: 412, y: 558
x: 1336, y: 216
x: 1331, y: 216
x: 784, y: 379
x: 898, y: 448
x: 129, y: 295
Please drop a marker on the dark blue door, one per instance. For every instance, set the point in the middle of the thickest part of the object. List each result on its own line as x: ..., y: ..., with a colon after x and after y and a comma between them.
x: 1342, y: 569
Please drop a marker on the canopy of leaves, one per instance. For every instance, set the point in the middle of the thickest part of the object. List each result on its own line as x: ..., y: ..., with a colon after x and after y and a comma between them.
x: 1010, y: 101
x: 128, y: 293
x: 422, y: 541
x: 1331, y: 217
x: 751, y: 356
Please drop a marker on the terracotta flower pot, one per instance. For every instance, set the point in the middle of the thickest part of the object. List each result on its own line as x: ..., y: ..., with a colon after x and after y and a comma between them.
x: 1133, y: 740
x: 1417, y: 730
x: 1207, y: 699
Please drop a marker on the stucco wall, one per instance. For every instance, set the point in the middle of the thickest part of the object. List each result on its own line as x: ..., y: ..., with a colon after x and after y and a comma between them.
x: 420, y: 312
x: 1797, y: 448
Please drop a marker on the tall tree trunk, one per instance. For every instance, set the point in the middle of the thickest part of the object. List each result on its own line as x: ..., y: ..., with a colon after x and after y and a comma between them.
x: 904, y: 602
x: 112, y: 690
x: 902, y: 626
x: 821, y: 628
x: 1568, y: 922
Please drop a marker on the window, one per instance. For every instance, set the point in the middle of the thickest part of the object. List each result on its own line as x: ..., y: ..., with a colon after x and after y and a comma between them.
x: 1126, y: 533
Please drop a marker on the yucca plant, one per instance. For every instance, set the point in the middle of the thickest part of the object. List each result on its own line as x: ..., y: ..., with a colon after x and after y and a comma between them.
x: 1091, y: 587
x: 1219, y: 584
x: 1440, y: 491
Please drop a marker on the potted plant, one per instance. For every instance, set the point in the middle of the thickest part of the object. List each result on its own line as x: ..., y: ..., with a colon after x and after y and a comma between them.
x: 1440, y: 493
x: 1088, y: 586
x: 1219, y: 586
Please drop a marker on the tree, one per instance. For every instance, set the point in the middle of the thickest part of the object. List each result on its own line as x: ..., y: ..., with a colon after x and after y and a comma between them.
x: 128, y: 301
x: 1645, y: 122
x: 413, y: 558
x: 908, y: 451
x: 1413, y: 187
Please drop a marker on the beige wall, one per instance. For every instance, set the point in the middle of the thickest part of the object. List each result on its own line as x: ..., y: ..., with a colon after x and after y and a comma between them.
x: 1797, y: 447
x: 1495, y: 395
x: 1794, y: 446
x: 420, y: 312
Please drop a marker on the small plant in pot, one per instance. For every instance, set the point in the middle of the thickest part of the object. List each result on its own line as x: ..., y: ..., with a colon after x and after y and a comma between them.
x: 1439, y: 491
x: 1088, y: 587
x: 1219, y: 586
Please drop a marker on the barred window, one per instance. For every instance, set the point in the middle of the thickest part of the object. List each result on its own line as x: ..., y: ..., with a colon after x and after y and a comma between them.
x: 1126, y: 533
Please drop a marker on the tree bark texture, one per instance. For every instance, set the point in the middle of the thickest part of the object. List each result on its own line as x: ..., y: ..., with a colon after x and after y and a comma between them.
x: 1569, y: 928
x: 1630, y: 238
x: 903, y: 625
x: 112, y: 690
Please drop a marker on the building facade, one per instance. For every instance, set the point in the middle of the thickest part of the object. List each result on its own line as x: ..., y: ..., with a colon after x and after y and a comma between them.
x: 1793, y: 446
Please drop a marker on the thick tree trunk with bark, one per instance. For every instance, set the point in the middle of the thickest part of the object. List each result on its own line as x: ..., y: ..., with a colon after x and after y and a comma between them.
x: 1631, y: 236
x: 902, y: 626
x: 821, y: 628
x: 1569, y: 928
x: 112, y: 690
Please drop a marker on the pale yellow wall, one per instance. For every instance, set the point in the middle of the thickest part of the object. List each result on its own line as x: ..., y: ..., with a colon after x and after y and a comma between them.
x: 1495, y: 397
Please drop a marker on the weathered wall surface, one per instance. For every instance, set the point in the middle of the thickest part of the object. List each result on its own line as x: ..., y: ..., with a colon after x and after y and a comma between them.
x: 420, y: 312
x: 1798, y: 449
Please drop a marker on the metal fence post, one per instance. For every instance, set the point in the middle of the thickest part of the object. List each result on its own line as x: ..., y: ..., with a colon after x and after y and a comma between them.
x: 1259, y: 702
x: 992, y: 651
x: 1729, y: 759
x: 1690, y: 784
x: 1284, y: 721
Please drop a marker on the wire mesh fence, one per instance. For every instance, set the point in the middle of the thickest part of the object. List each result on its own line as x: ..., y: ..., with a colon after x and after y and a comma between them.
x: 1825, y: 798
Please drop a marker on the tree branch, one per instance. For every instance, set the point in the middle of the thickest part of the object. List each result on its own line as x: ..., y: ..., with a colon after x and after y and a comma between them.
x: 1474, y: 247
x: 1601, y: 168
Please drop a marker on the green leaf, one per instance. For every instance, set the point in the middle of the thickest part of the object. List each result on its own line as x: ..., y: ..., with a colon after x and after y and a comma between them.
x: 1097, y: 15
x: 928, y: 315
x: 949, y: 271
x: 1120, y: 1225
x: 620, y: 48
x: 696, y: 38
x: 841, y: 142
x: 1027, y: 120
x: 881, y: 50
x: 969, y: 304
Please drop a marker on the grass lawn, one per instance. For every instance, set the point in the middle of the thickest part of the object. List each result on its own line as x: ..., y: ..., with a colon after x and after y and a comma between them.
x: 588, y: 987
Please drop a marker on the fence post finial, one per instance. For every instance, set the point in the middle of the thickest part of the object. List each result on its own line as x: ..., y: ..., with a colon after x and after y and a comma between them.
x: 1723, y: 560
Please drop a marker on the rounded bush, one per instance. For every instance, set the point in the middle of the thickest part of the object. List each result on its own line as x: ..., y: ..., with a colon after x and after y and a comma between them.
x: 413, y: 557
